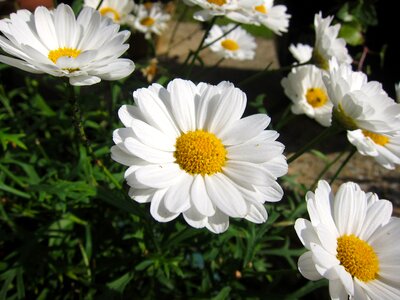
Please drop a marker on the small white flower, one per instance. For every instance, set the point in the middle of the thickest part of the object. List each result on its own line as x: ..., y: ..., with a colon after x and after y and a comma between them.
x: 304, y: 86
x: 120, y: 11
x: 352, y: 241
x: 301, y: 52
x: 262, y: 12
x: 359, y: 104
x: 384, y: 147
x: 327, y: 45
x: 86, y: 49
x: 190, y: 153
x: 151, y: 19
x: 237, y: 44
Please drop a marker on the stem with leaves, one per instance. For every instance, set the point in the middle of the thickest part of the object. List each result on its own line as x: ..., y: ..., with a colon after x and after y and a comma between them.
x: 77, y: 118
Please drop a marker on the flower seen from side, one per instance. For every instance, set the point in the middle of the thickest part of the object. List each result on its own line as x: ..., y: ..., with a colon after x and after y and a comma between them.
x: 85, y: 49
x: 189, y: 152
x: 304, y: 86
x: 264, y: 13
x: 327, y: 44
x: 359, y: 103
x: 120, y: 11
x: 383, y: 147
x: 351, y: 240
x: 150, y: 19
x: 237, y: 44
x: 212, y: 8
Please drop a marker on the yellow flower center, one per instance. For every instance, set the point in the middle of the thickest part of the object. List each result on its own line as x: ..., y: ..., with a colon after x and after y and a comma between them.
x: 217, y: 2
x: 319, y: 60
x: 377, y: 138
x: 200, y: 152
x: 316, y: 97
x: 357, y: 257
x: 110, y: 12
x: 147, y: 21
x: 230, y: 45
x: 54, y: 55
x: 261, y: 9
x: 346, y: 121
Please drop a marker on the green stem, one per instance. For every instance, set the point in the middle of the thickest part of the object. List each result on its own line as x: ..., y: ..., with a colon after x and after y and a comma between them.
x: 319, y: 138
x: 344, y: 163
x: 286, y: 117
x: 193, y: 55
x: 325, y: 169
x: 267, y: 71
x: 77, y: 117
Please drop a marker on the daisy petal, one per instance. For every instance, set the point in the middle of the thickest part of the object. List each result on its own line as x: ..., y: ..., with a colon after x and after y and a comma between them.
x: 225, y: 196
x: 307, y: 267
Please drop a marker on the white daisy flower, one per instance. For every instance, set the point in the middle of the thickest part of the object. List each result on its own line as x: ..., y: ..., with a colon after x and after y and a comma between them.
x: 150, y: 19
x: 384, y: 148
x: 301, y: 52
x: 304, y: 86
x: 120, y: 11
x: 327, y: 45
x: 352, y: 241
x: 190, y: 153
x: 86, y: 49
x: 359, y: 104
x: 262, y: 12
x: 212, y: 8
x: 237, y: 44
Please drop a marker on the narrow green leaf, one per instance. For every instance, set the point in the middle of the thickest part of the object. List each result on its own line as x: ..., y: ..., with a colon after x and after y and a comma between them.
x: 223, y: 294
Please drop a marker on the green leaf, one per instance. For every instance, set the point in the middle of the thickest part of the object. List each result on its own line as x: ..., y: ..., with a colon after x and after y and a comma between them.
x: 119, y: 284
x: 352, y: 34
x: 223, y: 294
x: 11, y: 138
x: 144, y: 264
x: 14, y: 191
x: 344, y: 13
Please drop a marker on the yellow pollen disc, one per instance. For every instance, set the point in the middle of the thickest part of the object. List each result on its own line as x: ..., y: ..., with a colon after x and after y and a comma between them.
x: 316, y: 97
x: 147, y: 21
x: 110, y: 12
x: 229, y: 44
x: 346, y: 121
x: 217, y: 2
x: 357, y: 257
x: 261, y: 9
x: 200, y: 152
x: 377, y: 138
x: 54, y: 55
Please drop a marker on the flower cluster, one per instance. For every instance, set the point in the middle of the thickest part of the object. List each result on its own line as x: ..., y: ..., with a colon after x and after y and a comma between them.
x: 189, y: 151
